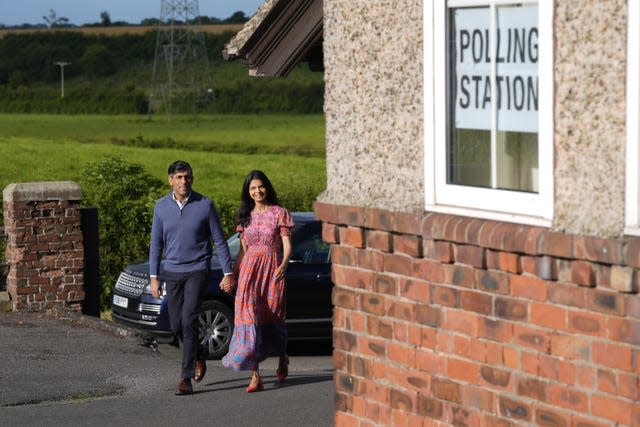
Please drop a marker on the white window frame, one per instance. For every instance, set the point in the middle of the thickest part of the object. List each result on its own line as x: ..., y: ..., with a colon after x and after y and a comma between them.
x: 487, y: 203
x: 632, y: 156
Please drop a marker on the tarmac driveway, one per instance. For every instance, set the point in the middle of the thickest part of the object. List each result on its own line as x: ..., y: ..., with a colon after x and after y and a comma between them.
x: 68, y: 369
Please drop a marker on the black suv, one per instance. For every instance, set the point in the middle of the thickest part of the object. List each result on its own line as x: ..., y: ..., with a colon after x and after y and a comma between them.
x: 309, y: 309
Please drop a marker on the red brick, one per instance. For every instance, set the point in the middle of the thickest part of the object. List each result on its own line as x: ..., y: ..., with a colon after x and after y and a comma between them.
x: 373, y: 304
x: 528, y: 287
x: 612, y: 356
x: 566, y: 371
x: 606, y: 381
x: 416, y: 290
x: 567, y: 294
x: 380, y: 219
x: 326, y: 212
x: 579, y: 421
x: 491, y: 259
x: 496, y: 330
x: 330, y: 233
x: 344, y: 298
x: 611, y: 408
x: 633, y: 307
x: 478, y: 397
x: 585, y: 376
x: 402, y: 310
x: 485, y: 233
x: 495, y: 377
x: 495, y: 282
x: 463, y: 370
x: 568, y: 397
x: 344, y: 255
x: 400, y: 264
x: 623, y: 278
x: 343, y: 340
x: 380, y: 240
x: 445, y: 296
x: 459, y: 275
x: 384, y: 284
x: 514, y: 409
x: 352, y: 236
x: 571, y: 347
x: 369, y: 259
x: 533, y: 388
x: 587, y: 323
x: 509, y: 262
x: 356, y: 278
x: 623, y: 330
x: 408, y: 223
x: 446, y: 390
x: 547, y: 417
x: 368, y: 346
x: 351, y: 215
x: 408, y: 245
x: 428, y: 315
x: 379, y: 328
x: 469, y: 255
x: 428, y: 270
x: 462, y: 322
x: 476, y: 302
x: 633, y: 251
x: 531, y: 337
x: 582, y: 273
x: 401, y: 354
x: 606, y: 251
x: 629, y: 386
x: 510, y: 308
x: 606, y: 302
x: 433, y: 225
x: 449, y: 232
x: 429, y: 407
x: 548, y: 315
x: 556, y: 244
x: 511, y: 358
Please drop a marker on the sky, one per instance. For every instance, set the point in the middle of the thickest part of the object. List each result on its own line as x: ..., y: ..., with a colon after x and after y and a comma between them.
x: 17, y: 12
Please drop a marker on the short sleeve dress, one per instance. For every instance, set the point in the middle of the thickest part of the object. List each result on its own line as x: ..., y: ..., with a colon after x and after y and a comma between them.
x: 260, y: 304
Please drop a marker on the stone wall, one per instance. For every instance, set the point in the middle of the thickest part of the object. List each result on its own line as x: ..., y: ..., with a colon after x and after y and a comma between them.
x: 446, y: 320
x: 44, y: 245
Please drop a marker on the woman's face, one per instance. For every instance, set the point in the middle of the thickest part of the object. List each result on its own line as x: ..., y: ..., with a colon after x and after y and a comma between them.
x: 257, y: 191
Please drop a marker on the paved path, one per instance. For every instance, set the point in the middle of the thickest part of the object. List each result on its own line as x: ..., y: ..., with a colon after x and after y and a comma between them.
x: 76, y: 371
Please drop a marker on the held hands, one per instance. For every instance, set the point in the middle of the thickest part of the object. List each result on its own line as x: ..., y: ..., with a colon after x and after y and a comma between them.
x: 227, y: 283
x: 155, y: 288
x: 280, y: 271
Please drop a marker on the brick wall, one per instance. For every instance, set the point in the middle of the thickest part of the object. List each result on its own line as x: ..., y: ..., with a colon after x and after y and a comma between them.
x: 44, y: 245
x: 447, y: 320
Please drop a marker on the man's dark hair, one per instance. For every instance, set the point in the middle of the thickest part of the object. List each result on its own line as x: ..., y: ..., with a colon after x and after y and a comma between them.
x: 180, y: 166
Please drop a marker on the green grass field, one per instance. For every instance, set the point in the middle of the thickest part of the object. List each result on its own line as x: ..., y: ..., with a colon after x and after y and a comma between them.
x: 221, y: 148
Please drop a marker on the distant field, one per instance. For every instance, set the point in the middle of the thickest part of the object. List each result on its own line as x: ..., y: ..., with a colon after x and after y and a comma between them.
x: 130, y: 29
x: 222, y: 148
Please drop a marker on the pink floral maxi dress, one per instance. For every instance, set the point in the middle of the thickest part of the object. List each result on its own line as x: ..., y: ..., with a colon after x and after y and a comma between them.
x: 260, y: 305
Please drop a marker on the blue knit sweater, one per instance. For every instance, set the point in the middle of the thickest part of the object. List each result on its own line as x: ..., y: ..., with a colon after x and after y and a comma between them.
x: 185, y: 236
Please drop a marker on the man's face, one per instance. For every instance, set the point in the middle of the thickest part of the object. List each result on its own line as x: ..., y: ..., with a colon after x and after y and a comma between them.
x: 181, y: 184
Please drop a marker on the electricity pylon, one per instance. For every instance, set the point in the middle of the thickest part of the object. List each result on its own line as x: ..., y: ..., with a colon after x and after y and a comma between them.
x: 181, y: 76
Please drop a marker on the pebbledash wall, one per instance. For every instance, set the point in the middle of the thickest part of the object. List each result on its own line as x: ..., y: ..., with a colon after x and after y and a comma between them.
x: 449, y: 320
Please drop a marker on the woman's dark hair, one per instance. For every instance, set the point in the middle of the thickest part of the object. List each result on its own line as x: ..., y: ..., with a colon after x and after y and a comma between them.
x: 243, y: 216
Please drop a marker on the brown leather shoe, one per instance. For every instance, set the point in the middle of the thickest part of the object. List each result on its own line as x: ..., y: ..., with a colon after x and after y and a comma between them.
x: 184, y: 387
x: 201, y: 369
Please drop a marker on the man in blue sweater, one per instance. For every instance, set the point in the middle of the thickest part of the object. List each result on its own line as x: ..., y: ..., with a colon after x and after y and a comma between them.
x: 184, y: 224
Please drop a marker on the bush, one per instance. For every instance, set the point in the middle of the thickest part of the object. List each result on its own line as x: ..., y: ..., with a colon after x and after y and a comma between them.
x: 97, y: 61
x: 125, y: 196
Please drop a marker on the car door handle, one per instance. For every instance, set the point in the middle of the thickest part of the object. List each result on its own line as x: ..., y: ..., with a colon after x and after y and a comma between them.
x: 323, y: 276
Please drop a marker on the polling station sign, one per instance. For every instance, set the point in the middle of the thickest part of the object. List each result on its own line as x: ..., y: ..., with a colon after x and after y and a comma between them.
x: 515, y: 57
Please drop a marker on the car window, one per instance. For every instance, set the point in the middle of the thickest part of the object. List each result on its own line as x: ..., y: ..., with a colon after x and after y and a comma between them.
x: 308, y: 246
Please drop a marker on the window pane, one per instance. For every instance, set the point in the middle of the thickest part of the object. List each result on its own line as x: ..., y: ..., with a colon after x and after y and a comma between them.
x: 493, y: 97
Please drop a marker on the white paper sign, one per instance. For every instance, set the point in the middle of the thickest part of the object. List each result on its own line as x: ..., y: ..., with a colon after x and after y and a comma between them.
x: 516, y: 59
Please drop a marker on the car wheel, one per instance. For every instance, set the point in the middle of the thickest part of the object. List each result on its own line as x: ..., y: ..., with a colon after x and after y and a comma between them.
x: 215, y: 327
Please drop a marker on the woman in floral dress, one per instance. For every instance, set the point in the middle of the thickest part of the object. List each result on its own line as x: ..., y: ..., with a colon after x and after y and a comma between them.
x: 260, y: 305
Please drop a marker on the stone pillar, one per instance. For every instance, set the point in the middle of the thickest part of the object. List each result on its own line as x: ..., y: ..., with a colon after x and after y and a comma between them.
x: 44, y: 245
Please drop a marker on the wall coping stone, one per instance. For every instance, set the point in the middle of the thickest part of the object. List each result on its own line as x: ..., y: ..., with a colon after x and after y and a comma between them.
x: 41, y: 191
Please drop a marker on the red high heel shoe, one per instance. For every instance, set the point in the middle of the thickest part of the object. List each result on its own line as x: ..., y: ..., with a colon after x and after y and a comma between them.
x: 255, y: 386
x: 282, y: 374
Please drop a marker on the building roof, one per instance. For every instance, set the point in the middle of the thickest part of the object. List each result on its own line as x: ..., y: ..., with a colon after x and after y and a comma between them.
x: 278, y: 36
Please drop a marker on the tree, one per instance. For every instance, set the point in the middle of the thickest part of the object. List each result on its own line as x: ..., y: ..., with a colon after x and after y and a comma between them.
x: 98, y: 61
x: 105, y: 18
x: 237, y: 18
x: 53, y: 21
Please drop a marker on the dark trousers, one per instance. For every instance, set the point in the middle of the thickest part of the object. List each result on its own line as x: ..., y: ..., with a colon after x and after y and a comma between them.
x: 185, y: 292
